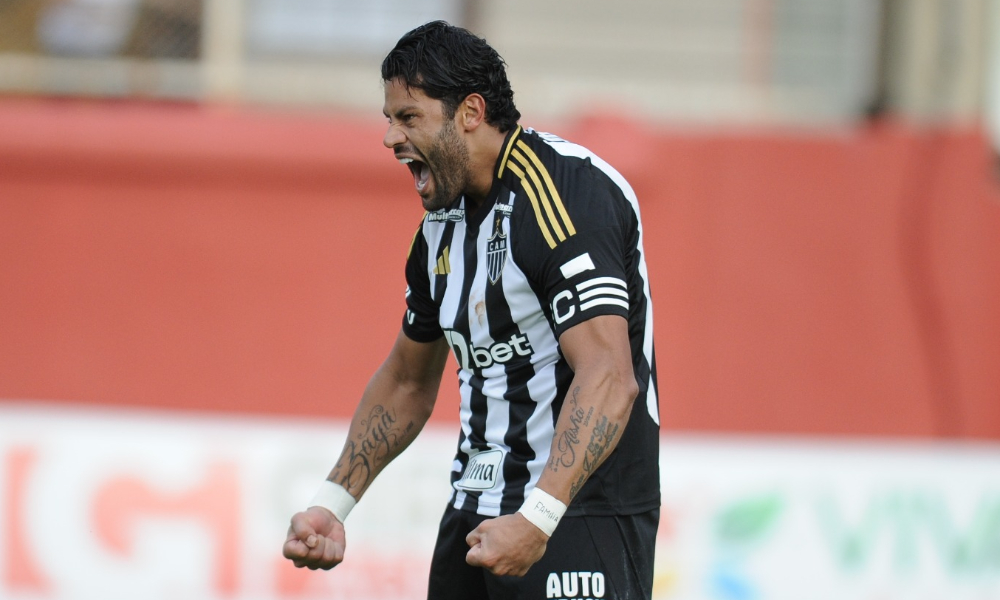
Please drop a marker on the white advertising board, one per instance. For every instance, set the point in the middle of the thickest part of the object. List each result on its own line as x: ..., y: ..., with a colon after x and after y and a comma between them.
x: 105, y: 506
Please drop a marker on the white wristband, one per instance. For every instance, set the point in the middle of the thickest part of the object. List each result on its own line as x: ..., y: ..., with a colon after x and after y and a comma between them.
x: 543, y: 510
x: 335, y: 499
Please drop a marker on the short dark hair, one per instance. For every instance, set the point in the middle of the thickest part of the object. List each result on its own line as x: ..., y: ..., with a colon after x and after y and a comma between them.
x: 448, y: 63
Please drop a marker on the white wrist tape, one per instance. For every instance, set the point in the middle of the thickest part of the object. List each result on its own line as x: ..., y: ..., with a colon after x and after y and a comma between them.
x: 335, y: 499
x: 543, y: 510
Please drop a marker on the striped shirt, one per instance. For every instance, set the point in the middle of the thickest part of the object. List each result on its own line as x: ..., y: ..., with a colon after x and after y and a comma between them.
x: 557, y: 242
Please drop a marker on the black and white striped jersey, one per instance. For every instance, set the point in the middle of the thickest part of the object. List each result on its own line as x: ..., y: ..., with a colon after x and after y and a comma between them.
x: 558, y: 241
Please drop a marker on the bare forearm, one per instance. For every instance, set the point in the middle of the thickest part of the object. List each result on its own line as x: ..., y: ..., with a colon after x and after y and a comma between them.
x: 394, y: 408
x: 589, y: 428
x: 378, y: 433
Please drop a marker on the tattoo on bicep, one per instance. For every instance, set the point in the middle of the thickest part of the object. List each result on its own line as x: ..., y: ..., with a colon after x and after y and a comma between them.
x: 601, y: 440
x: 378, y: 441
x: 568, y: 440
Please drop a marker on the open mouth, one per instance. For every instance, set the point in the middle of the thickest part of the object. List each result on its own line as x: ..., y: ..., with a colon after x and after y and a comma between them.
x: 420, y: 171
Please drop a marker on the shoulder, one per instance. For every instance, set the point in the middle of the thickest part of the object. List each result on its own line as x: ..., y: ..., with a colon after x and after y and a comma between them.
x: 567, y: 166
x: 566, y: 186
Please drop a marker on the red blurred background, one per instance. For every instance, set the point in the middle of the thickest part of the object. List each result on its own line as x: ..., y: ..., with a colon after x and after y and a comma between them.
x: 843, y: 281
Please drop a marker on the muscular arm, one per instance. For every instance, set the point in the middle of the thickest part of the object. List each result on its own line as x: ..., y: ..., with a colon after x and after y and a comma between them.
x: 593, y: 417
x: 393, y: 409
x: 597, y: 407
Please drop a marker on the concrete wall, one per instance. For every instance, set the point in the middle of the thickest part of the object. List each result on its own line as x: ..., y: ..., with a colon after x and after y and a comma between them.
x: 179, y: 257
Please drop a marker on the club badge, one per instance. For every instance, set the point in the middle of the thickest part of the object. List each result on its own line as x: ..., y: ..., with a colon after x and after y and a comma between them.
x: 496, y: 246
x: 496, y: 250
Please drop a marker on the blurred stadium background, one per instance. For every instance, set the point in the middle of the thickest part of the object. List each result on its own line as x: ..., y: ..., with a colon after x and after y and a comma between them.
x: 201, y: 241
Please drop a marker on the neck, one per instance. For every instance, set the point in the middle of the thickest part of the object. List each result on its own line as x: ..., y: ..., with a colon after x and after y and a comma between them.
x: 485, y: 147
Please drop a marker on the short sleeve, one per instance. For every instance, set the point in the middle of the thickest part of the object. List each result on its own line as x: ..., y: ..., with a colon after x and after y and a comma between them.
x: 420, y: 322
x: 583, y: 274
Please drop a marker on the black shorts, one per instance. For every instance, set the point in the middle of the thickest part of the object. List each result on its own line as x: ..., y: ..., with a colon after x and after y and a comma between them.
x: 587, y: 557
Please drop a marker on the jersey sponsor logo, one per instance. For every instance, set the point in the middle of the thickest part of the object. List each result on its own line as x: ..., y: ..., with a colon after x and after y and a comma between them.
x: 579, y: 585
x: 471, y: 357
x: 454, y: 215
x: 599, y: 291
x: 504, y: 209
x: 482, y: 472
x: 496, y: 250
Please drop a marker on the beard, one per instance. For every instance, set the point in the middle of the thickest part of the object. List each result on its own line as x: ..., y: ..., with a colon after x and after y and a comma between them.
x: 448, y: 160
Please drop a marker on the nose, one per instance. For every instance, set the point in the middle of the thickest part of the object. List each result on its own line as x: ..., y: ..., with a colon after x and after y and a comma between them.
x: 393, y: 137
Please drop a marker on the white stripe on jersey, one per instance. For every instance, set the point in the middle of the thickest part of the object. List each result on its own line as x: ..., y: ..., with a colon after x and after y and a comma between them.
x: 464, y: 414
x: 601, y: 281
x: 570, y: 149
x: 604, y: 291
x: 604, y: 301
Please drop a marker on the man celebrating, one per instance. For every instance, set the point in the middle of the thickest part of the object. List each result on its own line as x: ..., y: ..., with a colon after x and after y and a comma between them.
x: 529, y: 266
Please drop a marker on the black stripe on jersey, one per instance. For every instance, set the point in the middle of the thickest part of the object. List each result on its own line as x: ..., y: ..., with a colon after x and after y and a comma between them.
x: 442, y: 265
x: 477, y: 430
x: 414, y: 239
x: 477, y: 400
x: 463, y: 460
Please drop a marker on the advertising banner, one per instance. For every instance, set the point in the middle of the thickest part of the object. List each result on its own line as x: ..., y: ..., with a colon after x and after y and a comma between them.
x: 161, y: 506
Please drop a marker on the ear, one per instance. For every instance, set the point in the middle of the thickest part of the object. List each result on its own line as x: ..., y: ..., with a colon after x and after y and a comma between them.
x: 471, y: 112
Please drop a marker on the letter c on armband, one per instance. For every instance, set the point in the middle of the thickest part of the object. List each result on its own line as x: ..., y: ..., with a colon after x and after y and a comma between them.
x: 560, y: 317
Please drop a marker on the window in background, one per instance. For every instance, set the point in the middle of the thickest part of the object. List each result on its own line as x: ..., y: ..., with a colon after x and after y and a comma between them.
x: 325, y: 28
x: 830, y: 47
x: 167, y: 29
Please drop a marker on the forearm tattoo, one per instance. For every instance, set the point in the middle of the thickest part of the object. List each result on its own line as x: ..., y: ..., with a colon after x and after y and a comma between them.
x: 601, y: 440
x: 376, y: 445
x: 568, y: 440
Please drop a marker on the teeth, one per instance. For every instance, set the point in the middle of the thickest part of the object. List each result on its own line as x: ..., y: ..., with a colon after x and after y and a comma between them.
x: 405, y: 161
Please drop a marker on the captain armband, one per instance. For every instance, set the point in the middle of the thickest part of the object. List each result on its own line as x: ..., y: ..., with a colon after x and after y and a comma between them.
x: 543, y: 510
x: 335, y: 499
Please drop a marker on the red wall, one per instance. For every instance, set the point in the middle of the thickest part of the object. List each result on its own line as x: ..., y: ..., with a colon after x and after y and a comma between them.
x: 840, y: 282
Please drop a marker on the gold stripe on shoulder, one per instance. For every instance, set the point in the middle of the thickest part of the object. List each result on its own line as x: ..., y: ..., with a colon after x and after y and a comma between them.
x: 532, y: 174
x: 553, y: 193
x: 542, y: 225
x: 506, y: 151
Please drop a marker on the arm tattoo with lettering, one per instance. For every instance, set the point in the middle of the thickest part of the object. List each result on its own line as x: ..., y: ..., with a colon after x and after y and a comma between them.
x: 568, y: 440
x: 601, y: 440
x: 376, y: 445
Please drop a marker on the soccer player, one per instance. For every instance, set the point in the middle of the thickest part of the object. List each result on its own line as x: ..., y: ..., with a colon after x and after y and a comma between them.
x: 528, y: 265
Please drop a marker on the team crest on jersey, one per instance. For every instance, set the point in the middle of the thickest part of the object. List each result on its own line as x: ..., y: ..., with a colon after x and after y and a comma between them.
x: 496, y: 249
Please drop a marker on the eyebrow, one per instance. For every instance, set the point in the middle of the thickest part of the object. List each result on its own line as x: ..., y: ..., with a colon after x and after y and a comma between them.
x: 400, y: 111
